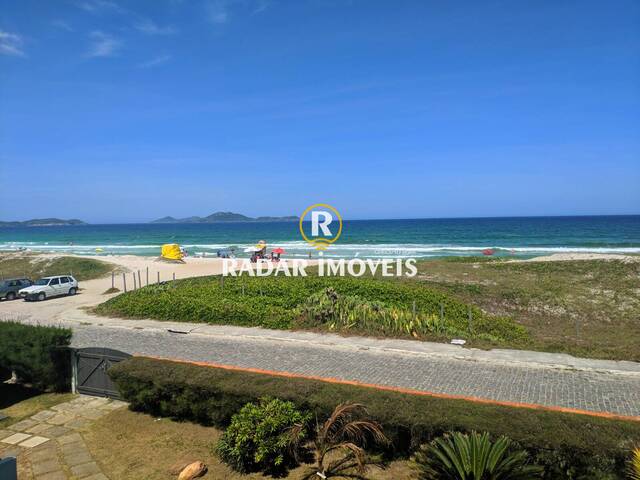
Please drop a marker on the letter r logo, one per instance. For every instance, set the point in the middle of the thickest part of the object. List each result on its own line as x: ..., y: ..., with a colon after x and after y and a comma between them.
x: 321, y: 219
x: 320, y: 216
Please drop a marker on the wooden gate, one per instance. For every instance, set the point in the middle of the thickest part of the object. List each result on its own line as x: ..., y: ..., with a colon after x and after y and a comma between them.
x: 90, y: 371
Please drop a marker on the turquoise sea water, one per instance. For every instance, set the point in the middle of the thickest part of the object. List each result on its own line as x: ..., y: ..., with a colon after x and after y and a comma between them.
x: 526, y: 236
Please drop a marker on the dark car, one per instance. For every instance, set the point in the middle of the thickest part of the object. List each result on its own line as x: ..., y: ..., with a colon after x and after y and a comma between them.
x: 9, y: 288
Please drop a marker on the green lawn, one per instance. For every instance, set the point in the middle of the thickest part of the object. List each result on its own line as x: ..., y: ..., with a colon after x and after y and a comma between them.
x: 33, y: 267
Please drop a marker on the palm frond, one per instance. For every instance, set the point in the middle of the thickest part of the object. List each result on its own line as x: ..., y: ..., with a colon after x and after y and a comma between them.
x: 634, y: 465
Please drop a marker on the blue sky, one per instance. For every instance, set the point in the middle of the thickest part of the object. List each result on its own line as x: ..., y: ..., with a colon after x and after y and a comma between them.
x: 114, y: 110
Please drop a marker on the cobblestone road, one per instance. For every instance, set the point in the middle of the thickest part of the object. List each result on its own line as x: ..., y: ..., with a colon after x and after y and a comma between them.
x: 585, y: 390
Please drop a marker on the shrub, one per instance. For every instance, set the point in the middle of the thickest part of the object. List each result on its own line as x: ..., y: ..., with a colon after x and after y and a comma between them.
x: 262, y: 436
x: 457, y: 456
x: 569, y: 446
x: 335, y: 311
x: 38, y: 354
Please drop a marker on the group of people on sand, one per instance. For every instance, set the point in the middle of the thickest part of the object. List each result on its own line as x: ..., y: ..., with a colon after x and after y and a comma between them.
x: 260, y: 253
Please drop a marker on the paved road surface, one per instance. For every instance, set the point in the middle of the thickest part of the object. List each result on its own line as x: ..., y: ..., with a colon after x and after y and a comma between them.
x: 586, y: 390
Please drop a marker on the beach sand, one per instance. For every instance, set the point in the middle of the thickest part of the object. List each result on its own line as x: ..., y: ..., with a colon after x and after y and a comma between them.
x: 564, y: 257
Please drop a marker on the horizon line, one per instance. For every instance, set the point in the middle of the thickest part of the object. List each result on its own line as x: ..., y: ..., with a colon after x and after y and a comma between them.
x: 344, y: 219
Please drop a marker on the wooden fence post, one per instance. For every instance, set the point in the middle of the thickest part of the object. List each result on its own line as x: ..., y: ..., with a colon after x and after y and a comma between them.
x: 133, y: 274
x: 147, y: 276
x: 139, y: 280
x: 124, y: 282
x: 113, y: 280
x: 158, y: 277
x: 174, y: 276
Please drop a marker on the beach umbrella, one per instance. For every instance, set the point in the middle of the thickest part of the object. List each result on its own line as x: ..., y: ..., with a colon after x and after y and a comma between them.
x: 488, y: 251
x: 278, y: 251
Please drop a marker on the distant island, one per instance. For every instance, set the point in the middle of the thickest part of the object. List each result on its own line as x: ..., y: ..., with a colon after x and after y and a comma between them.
x: 43, y: 222
x: 225, y: 217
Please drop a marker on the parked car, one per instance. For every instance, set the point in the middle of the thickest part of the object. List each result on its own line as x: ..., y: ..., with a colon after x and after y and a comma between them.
x: 9, y: 288
x: 50, y: 287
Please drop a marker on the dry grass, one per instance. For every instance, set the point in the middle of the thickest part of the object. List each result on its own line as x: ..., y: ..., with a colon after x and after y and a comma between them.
x: 589, y: 308
x: 135, y: 446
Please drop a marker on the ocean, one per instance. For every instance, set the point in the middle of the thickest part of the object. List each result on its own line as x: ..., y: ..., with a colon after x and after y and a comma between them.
x: 420, y: 238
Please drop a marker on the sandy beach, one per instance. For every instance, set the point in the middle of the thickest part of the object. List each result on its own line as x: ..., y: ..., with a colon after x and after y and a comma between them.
x: 93, y: 291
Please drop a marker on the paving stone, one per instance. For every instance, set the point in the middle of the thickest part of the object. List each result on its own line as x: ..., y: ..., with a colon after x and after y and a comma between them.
x: 75, y: 447
x: 63, y: 407
x: 43, y: 415
x: 85, y: 470
x: 60, y: 419
x: 92, y: 414
x: 33, y: 442
x: 97, y: 476
x: 39, y: 428
x: 46, y: 451
x: 56, y: 475
x: 5, y: 433
x: 70, y: 438
x: 40, y: 468
x: 55, y: 432
x: 16, y: 438
x: 23, y: 425
x: 78, y: 423
x: 10, y: 452
x: 78, y: 458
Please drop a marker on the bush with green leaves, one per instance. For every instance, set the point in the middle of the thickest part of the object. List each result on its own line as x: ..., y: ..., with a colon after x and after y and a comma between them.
x: 37, y: 354
x: 264, y: 436
x: 458, y: 456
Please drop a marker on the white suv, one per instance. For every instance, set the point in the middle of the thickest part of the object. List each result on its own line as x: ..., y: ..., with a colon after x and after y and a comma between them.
x: 50, y: 287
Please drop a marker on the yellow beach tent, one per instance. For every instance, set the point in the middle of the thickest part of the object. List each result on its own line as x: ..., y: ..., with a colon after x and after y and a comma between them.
x: 171, y: 251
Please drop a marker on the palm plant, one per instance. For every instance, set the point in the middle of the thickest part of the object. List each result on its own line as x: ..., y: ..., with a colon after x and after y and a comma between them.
x: 340, y: 443
x: 457, y: 456
x: 634, y: 465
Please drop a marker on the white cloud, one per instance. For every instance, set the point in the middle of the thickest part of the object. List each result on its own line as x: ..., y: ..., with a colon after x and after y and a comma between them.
x: 154, y: 62
x: 151, y: 28
x: 11, y: 44
x: 104, y: 45
x: 97, y: 6
x: 61, y: 24
x: 218, y: 11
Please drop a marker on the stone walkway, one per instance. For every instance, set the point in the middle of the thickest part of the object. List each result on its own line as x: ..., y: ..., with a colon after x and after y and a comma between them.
x: 49, y: 444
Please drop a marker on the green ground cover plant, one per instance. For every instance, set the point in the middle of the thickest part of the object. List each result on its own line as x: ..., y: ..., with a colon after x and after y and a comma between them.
x: 37, y: 354
x: 403, y: 308
x: 568, y: 446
